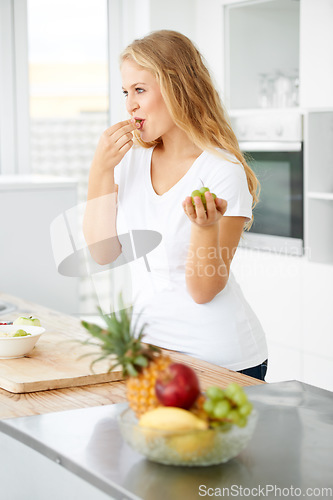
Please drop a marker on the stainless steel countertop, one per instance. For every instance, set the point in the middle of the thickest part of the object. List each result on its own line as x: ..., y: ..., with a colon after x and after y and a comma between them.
x: 292, y: 447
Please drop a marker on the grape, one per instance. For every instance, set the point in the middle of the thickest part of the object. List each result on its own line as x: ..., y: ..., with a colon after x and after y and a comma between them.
x: 209, y: 406
x: 227, y: 407
x: 234, y: 416
x: 239, y: 398
x: 222, y: 409
x: 201, y: 193
x: 203, y: 197
x: 232, y: 389
x: 196, y: 193
x: 215, y: 393
x: 245, y: 410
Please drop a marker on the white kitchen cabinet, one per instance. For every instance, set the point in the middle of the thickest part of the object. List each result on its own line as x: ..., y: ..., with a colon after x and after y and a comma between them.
x: 271, y: 31
x: 292, y: 298
x: 28, y: 205
x: 242, y: 39
x: 318, y: 185
x: 272, y: 284
x: 316, y: 53
x: 317, y: 335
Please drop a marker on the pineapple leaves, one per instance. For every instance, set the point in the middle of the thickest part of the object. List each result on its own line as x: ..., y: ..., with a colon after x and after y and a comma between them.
x: 141, y: 361
x: 130, y: 370
x: 154, y: 348
x: 120, y: 341
x: 101, y: 358
x: 94, y: 330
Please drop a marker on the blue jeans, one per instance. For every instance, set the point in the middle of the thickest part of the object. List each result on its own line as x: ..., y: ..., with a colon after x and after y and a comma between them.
x: 258, y: 372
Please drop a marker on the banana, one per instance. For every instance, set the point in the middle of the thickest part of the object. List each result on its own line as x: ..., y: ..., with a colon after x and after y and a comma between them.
x: 192, y: 444
x: 170, y: 418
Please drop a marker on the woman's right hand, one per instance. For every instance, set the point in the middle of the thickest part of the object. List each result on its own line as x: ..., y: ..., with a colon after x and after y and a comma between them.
x: 114, y: 143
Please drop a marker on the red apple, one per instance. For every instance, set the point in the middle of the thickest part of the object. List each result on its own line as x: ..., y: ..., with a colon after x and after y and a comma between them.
x: 178, y: 386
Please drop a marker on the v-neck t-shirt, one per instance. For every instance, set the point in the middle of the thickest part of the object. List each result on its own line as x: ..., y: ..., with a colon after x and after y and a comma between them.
x: 224, y: 331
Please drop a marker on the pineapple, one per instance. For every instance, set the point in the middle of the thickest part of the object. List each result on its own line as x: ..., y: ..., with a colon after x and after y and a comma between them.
x: 141, y: 363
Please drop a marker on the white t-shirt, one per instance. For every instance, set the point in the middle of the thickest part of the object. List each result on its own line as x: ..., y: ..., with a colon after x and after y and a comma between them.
x: 224, y: 331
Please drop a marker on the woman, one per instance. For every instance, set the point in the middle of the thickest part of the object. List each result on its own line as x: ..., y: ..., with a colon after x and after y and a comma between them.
x: 183, y: 141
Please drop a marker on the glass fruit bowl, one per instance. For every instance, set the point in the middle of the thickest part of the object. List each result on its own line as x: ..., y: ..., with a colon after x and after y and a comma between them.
x: 186, y: 448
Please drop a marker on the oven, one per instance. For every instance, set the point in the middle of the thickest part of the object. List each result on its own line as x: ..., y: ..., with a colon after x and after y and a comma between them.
x: 273, y: 146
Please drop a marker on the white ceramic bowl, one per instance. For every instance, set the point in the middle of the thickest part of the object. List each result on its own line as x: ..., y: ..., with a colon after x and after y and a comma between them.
x: 17, y: 347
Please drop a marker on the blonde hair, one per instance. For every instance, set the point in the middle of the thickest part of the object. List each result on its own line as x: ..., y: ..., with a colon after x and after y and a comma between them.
x: 189, y: 94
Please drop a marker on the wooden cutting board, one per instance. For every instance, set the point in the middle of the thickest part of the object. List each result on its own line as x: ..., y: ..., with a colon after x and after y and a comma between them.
x: 54, y: 364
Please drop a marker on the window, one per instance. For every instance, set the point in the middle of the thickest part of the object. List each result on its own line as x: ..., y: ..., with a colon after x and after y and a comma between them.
x: 68, y: 96
x: 68, y: 80
x: 60, y: 88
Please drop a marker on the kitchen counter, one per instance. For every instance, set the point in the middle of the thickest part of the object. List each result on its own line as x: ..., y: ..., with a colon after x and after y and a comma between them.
x: 75, y: 430
x: 290, y: 452
x: 38, y: 403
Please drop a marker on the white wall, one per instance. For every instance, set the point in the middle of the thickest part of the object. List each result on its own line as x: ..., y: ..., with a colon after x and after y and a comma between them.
x: 178, y: 15
x: 131, y: 19
x: 140, y: 17
x: 209, y: 38
x: 28, y: 205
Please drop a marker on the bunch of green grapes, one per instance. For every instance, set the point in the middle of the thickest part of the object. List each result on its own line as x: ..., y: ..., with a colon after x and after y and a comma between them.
x: 201, y: 193
x: 226, y: 407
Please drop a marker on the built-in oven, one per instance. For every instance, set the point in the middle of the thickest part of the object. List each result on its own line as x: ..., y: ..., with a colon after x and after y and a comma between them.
x: 273, y: 146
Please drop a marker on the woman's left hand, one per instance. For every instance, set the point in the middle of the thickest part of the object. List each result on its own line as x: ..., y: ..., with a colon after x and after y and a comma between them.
x: 198, y: 215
